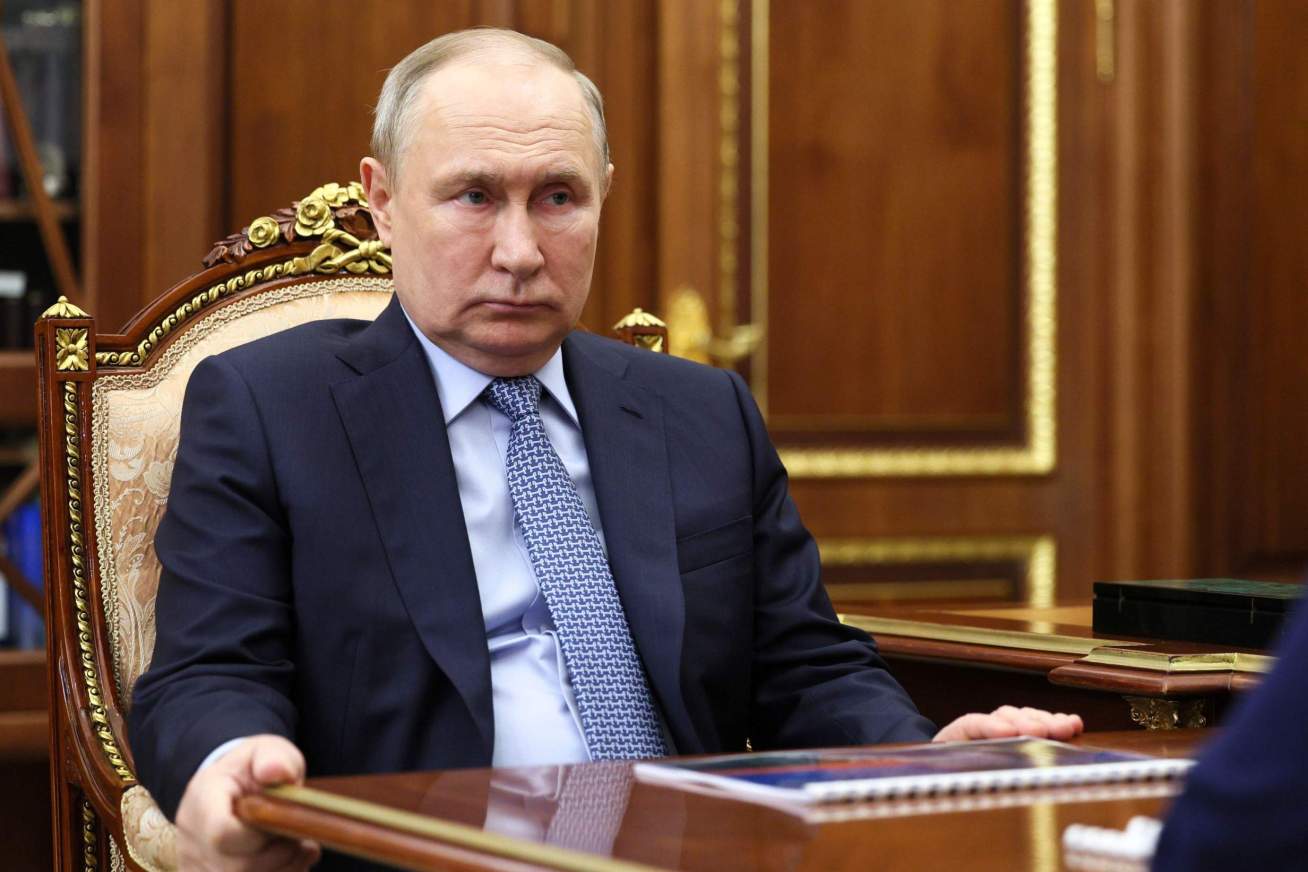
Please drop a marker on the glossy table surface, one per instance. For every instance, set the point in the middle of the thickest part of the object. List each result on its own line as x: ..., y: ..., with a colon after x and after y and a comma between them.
x: 598, y: 816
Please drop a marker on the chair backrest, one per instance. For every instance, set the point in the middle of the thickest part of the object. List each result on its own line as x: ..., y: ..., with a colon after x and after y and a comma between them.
x: 109, y: 412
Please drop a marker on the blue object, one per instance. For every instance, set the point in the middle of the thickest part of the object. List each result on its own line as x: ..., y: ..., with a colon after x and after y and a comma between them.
x: 22, y: 535
x: 1244, y: 803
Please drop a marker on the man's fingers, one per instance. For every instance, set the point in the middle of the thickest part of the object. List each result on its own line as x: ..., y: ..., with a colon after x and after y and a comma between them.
x: 976, y: 726
x: 1038, y: 722
x: 281, y: 855
x: 227, y: 836
x: 274, y: 760
x: 1007, y: 721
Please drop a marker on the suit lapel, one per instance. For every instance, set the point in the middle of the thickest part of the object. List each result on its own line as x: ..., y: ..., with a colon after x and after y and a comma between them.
x: 627, y: 450
x: 392, y: 417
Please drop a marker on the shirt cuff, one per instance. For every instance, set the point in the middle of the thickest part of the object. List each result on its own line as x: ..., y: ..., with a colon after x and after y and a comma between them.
x: 220, y: 751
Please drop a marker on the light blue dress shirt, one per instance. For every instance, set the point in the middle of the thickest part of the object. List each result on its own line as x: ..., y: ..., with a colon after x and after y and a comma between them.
x: 536, y: 719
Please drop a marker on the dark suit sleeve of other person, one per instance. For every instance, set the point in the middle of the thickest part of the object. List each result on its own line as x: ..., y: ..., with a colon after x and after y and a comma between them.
x: 223, y: 546
x: 1245, y: 805
x: 816, y: 681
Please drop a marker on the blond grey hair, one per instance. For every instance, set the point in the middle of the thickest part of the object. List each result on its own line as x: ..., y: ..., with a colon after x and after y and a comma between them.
x: 393, y: 117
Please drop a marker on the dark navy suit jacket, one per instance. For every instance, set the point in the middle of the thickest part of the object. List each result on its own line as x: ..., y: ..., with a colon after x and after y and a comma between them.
x: 1245, y: 805
x: 317, y: 581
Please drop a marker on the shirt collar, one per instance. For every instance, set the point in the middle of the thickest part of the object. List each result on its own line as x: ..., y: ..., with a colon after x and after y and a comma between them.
x: 459, y: 385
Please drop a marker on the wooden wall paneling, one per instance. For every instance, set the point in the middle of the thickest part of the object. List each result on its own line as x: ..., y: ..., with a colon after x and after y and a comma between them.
x: 614, y: 44
x: 689, y: 145
x: 1223, y: 239
x: 855, y: 209
x: 1251, y: 425
x: 1276, y: 537
x: 895, y: 184
x: 303, y: 81
x: 1149, y: 296
x: 1070, y: 501
x: 113, y: 220
x: 185, y: 116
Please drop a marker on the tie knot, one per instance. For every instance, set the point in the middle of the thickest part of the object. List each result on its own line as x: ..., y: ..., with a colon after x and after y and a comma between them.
x: 517, y: 398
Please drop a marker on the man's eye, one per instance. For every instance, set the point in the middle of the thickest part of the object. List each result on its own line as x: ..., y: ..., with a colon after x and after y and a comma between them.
x: 474, y: 198
x: 559, y: 198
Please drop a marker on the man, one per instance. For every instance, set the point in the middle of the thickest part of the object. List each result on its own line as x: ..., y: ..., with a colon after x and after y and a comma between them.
x: 464, y: 535
x: 1243, y: 805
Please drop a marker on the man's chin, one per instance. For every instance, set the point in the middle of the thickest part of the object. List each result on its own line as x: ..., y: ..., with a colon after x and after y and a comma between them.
x: 510, y: 355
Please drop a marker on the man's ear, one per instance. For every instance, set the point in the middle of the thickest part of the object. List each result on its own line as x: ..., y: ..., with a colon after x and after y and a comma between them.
x: 608, y: 182
x: 378, y: 190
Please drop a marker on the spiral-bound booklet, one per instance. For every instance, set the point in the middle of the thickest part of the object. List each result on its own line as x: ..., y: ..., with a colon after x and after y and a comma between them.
x: 935, y: 769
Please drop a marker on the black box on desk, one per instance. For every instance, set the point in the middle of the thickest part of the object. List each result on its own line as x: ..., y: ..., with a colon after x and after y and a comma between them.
x: 1214, y: 611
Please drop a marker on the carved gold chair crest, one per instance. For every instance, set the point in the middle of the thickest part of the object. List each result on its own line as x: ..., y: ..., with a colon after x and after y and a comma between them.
x: 109, y: 411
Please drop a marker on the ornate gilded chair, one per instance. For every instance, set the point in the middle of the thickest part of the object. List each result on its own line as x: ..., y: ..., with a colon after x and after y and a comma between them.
x: 109, y: 413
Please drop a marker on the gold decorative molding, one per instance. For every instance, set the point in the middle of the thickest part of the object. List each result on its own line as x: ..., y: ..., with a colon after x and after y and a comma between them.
x: 1156, y: 713
x: 1021, y: 639
x: 1038, y: 555
x: 910, y: 591
x: 687, y: 311
x: 64, y: 309
x: 91, y: 683
x: 1162, y: 661
x: 314, y: 216
x: 72, y: 349
x: 728, y: 158
x: 262, y: 232
x: 452, y: 833
x: 759, y: 98
x: 1037, y: 455
x: 90, y: 838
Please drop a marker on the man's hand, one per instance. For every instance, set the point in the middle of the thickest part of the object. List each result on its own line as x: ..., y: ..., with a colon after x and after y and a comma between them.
x: 1008, y: 721
x: 210, y: 837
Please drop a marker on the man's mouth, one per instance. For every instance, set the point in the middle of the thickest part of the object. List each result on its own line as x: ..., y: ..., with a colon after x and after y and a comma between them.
x: 512, y: 305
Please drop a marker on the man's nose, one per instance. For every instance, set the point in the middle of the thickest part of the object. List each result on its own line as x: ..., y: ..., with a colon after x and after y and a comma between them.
x: 516, y: 248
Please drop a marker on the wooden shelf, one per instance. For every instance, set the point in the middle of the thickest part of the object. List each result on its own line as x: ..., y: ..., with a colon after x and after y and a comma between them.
x: 14, y: 209
x: 18, y: 387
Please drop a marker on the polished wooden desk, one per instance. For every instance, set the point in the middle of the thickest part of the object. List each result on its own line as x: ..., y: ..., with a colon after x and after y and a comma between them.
x: 953, y: 660
x: 600, y: 818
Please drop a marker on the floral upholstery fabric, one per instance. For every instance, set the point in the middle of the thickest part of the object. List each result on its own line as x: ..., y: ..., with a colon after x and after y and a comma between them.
x: 151, y: 838
x: 134, y: 432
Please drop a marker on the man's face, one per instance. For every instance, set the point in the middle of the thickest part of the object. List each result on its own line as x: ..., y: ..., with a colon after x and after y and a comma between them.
x: 493, y: 225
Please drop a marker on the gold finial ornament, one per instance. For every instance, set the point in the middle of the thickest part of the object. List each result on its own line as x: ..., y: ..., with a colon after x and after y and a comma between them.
x: 638, y: 318
x: 263, y: 232
x: 644, y: 330
x: 64, y: 309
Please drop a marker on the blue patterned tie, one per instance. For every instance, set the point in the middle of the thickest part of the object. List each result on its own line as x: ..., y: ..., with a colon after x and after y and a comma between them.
x: 613, y: 699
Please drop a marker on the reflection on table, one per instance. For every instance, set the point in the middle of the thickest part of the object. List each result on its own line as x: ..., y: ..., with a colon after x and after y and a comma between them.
x: 597, y: 816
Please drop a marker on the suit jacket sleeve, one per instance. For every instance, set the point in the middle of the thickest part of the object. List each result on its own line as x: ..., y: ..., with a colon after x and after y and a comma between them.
x: 816, y: 681
x: 223, y: 657
x: 1243, y: 805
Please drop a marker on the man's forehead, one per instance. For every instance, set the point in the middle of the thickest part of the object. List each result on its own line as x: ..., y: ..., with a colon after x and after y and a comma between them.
x: 495, y: 118
x: 512, y: 88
